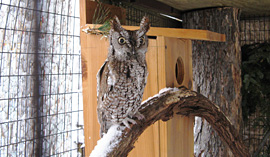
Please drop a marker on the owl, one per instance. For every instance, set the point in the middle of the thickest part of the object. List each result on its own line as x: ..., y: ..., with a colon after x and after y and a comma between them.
x: 122, y: 78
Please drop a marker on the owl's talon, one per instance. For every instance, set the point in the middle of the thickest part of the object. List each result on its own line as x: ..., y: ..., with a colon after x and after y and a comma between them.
x: 126, y: 120
x: 139, y: 116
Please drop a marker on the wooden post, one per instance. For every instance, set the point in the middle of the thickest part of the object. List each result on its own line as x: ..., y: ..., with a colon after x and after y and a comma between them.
x: 174, y: 64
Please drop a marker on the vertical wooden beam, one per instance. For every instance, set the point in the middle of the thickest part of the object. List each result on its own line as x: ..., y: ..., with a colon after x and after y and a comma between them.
x: 93, y: 56
x: 179, y: 128
x: 162, y: 84
x: 176, y: 135
x: 82, y: 12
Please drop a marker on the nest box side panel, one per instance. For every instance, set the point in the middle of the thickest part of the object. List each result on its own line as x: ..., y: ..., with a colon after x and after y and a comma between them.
x: 179, y: 73
x: 94, y: 52
x: 176, y: 70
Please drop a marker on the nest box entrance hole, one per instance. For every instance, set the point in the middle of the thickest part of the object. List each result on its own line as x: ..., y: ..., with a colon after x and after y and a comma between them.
x: 179, y: 70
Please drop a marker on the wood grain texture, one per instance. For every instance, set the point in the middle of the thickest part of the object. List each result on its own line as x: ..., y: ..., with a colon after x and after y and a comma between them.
x: 93, y: 57
x: 193, y: 34
x: 184, y: 102
x: 179, y: 129
x: 82, y: 12
x: 162, y: 84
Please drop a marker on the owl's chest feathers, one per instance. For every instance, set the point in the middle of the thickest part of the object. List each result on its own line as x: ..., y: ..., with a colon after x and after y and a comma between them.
x: 127, y: 72
x: 126, y: 82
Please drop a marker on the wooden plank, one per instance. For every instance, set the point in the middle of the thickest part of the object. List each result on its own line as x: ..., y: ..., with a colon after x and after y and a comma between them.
x: 179, y: 130
x: 93, y: 56
x: 193, y: 34
x: 85, y: 84
x: 162, y: 84
x: 82, y: 12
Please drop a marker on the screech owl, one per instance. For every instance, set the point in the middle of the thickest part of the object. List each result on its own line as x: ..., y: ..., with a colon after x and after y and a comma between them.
x: 122, y: 78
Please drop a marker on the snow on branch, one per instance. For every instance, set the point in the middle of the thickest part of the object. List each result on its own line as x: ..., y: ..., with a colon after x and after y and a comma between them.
x: 119, y: 141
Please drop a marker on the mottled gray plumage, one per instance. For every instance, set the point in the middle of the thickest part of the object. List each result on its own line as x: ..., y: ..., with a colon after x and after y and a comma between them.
x: 122, y: 78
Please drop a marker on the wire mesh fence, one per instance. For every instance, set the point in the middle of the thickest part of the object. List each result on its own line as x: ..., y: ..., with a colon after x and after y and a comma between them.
x: 254, y: 133
x: 40, y: 78
x: 134, y: 15
x: 255, y: 29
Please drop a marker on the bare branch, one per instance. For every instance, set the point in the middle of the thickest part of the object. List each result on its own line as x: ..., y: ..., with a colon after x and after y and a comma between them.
x: 184, y: 102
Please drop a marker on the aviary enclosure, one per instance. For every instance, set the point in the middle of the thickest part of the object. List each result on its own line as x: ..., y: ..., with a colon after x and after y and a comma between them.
x: 41, y: 102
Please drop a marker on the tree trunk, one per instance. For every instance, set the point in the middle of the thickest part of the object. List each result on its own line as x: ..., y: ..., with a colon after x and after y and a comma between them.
x: 216, y: 74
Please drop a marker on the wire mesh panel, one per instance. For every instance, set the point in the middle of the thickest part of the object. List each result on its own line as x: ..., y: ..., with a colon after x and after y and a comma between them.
x: 136, y: 13
x: 40, y: 78
x: 254, y: 29
x: 254, y: 134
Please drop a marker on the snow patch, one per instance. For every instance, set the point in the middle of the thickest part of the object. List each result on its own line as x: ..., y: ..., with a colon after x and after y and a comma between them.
x: 164, y: 90
x: 175, y: 89
x: 108, y: 142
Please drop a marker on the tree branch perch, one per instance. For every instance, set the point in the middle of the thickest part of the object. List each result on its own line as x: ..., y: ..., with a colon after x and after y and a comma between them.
x: 163, y: 106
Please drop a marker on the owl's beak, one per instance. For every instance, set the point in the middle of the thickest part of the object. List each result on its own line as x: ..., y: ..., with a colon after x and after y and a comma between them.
x: 133, y: 50
x: 133, y: 45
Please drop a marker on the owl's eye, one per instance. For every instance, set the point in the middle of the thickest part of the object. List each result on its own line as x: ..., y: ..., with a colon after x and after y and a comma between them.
x: 121, y: 40
x: 142, y: 40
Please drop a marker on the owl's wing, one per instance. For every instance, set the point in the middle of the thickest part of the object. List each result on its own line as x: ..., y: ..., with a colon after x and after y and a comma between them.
x: 102, y: 87
x: 101, y: 76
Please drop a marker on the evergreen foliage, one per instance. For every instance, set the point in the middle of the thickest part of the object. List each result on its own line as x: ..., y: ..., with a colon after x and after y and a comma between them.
x: 256, y: 82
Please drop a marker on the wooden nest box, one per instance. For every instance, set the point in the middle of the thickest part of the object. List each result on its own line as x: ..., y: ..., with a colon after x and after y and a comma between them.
x: 169, y: 60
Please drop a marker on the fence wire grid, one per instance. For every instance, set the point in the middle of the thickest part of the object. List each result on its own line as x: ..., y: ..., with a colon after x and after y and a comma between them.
x: 40, y: 78
x: 134, y: 15
x: 255, y: 29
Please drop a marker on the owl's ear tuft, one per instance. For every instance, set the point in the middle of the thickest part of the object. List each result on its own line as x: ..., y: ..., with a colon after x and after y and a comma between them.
x: 115, y: 24
x: 145, y: 25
